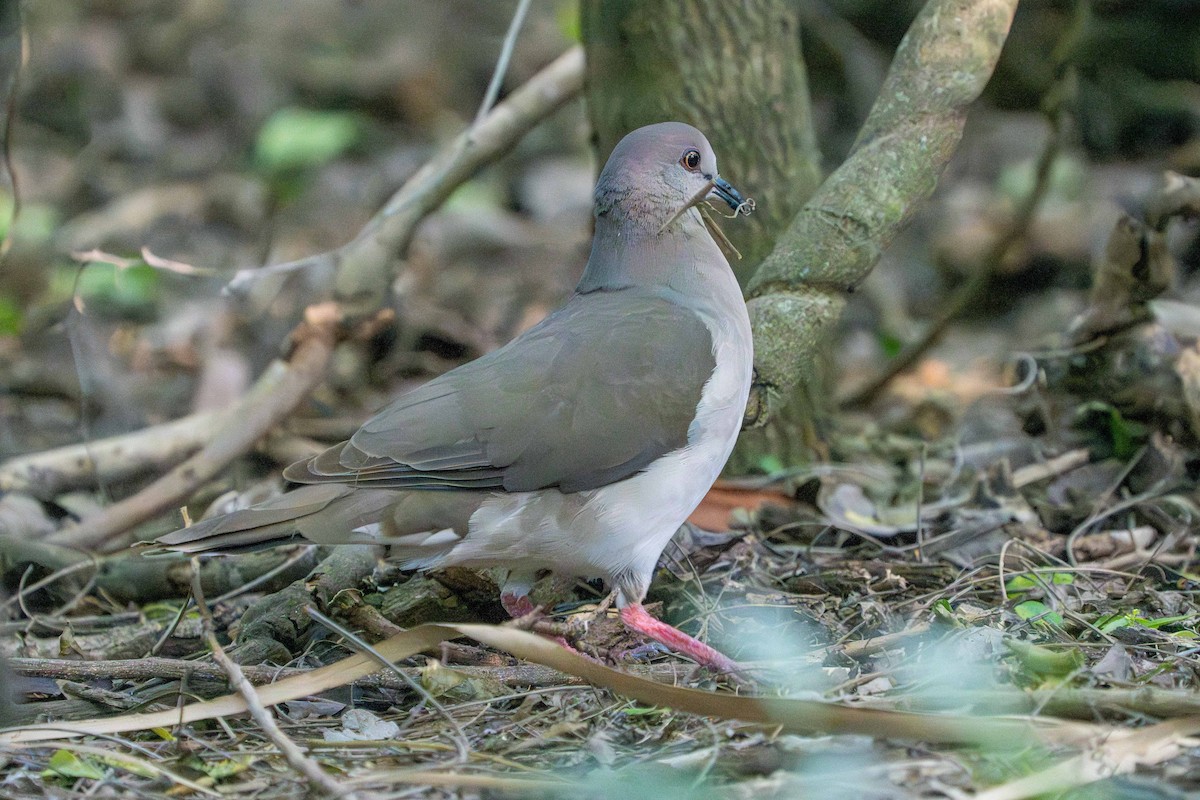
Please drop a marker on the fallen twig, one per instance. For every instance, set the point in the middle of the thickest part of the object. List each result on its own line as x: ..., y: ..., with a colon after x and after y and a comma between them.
x: 1050, y: 468
x: 532, y: 676
x: 296, y: 758
x: 796, y: 715
x: 160, y: 447
x: 279, y: 390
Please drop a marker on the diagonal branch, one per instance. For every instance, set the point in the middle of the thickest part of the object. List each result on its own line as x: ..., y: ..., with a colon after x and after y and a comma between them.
x: 280, y: 389
x: 363, y: 268
x: 363, y: 265
x: 797, y: 294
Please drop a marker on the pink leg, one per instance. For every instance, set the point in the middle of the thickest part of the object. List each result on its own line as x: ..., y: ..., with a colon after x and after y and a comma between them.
x: 636, y: 618
x: 517, y: 605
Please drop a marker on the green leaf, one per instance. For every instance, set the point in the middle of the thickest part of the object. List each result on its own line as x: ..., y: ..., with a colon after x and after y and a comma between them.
x: 770, y: 464
x: 1124, y: 435
x: 226, y: 768
x: 126, y: 291
x: 1037, y: 610
x: 943, y: 609
x: 891, y: 344
x: 300, y: 138
x: 1112, y: 622
x: 65, y: 764
x: 1020, y: 583
x: 1043, y: 661
x: 1160, y: 622
x: 1024, y: 583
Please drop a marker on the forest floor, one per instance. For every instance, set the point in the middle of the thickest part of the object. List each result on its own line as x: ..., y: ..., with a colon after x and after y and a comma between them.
x: 1002, y: 538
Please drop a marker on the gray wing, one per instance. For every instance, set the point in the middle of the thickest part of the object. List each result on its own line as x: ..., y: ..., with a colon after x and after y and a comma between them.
x: 591, y: 395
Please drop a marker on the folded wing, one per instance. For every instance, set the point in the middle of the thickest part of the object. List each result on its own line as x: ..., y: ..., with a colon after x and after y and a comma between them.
x: 591, y: 395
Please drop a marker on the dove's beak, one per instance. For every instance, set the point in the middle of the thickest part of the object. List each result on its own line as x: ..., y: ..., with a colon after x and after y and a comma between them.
x: 722, y: 190
x: 716, y: 188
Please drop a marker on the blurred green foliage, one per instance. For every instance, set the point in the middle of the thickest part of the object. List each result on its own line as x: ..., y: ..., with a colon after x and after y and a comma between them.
x: 294, y: 139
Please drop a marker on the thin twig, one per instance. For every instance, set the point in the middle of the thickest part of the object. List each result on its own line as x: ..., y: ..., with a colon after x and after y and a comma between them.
x: 296, y: 758
x: 12, y: 94
x: 460, y: 737
x: 971, y: 289
x: 278, y: 391
x: 506, y: 51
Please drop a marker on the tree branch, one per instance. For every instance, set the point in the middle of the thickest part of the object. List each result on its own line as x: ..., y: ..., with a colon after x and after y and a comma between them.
x: 797, y: 294
x: 363, y: 265
x: 278, y: 391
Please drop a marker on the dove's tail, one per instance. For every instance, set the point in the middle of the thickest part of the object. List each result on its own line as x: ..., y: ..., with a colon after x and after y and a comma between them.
x: 325, y: 514
x: 420, y: 526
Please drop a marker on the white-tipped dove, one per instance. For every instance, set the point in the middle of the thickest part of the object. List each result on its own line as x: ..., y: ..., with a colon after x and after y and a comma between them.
x: 581, y: 446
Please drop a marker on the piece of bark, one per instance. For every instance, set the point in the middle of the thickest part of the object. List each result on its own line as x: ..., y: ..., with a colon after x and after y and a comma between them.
x: 276, y: 626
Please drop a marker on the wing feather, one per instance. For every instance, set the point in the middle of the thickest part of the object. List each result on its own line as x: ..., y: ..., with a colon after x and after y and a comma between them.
x: 592, y: 395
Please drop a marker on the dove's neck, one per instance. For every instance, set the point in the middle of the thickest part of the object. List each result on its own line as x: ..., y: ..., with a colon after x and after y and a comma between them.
x: 683, y: 258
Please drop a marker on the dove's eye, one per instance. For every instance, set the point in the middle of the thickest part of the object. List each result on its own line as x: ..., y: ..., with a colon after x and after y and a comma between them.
x: 691, y: 160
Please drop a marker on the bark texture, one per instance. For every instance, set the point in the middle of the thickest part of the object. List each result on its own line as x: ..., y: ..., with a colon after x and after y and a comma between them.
x: 735, y: 71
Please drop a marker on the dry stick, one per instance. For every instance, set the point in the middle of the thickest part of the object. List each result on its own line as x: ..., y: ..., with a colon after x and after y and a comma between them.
x: 1050, y: 468
x: 280, y: 389
x: 52, y: 472
x: 296, y: 759
x: 390, y: 230
x: 155, y: 449
x: 158, y: 668
x: 506, y: 51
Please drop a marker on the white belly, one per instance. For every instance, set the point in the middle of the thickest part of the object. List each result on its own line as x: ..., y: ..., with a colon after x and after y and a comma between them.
x: 617, y: 532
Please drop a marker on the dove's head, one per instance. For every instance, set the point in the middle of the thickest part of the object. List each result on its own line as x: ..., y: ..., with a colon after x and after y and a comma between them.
x: 656, y: 173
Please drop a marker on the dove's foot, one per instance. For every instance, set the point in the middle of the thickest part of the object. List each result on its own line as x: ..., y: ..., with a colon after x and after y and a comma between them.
x: 517, y: 605
x: 527, y: 615
x: 637, y: 618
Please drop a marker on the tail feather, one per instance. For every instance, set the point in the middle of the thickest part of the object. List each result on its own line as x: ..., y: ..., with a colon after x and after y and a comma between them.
x: 323, y: 514
x: 421, y: 527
